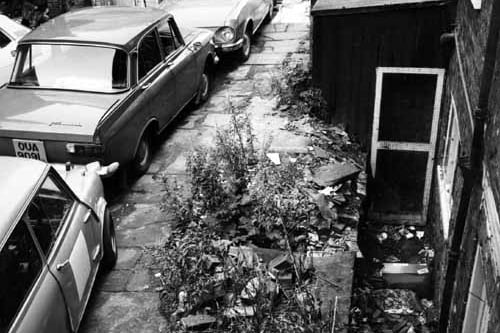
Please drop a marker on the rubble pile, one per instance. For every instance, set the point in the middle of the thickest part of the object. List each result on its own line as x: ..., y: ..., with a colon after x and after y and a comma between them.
x: 208, y: 284
x: 247, y: 264
x: 395, y: 243
x: 390, y: 311
x: 393, y: 282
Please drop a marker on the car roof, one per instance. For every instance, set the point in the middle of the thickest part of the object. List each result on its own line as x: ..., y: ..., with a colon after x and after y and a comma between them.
x: 19, y: 177
x: 113, y: 25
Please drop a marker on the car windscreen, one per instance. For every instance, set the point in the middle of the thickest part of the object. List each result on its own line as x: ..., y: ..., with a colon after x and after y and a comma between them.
x: 71, y: 67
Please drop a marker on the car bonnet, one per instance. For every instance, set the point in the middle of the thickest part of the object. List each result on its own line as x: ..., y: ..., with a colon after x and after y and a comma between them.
x: 202, y: 14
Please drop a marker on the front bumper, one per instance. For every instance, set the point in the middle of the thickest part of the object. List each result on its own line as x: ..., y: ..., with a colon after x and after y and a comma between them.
x: 228, y: 47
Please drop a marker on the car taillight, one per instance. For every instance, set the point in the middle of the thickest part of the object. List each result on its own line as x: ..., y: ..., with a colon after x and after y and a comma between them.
x: 84, y: 149
x: 224, y: 35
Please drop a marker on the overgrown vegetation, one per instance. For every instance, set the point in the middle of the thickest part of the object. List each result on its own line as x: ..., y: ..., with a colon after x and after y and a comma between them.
x: 296, y: 93
x: 239, y: 199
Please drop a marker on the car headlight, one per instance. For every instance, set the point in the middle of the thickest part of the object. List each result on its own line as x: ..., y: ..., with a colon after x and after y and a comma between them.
x: 84, y: 149
x: 224, y: 35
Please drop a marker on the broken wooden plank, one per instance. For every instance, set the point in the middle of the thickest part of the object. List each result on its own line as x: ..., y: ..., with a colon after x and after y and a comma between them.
x: 333, y: 174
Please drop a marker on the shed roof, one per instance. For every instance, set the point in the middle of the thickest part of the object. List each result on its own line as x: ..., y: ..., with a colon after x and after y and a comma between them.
x: 342, y: 7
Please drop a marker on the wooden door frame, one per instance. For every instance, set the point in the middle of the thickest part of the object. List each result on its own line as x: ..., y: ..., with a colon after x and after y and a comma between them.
x: 408, y: 146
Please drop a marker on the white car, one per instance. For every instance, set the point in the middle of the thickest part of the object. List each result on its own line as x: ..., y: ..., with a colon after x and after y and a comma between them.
x: 10, y: 33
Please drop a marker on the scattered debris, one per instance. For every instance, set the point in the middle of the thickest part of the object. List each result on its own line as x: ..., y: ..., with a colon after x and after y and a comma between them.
x: 333, y: 174
x: 274, y: 157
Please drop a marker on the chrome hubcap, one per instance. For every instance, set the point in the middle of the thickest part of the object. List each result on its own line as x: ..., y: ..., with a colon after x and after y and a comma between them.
x: 204, y: 85
x: 143, y: 153
x: 246, y: 45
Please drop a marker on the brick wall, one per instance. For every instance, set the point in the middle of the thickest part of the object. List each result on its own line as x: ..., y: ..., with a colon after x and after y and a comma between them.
x: 463, y: 80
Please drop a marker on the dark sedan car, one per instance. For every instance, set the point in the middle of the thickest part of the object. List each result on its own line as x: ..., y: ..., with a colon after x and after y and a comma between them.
x: 100, y: 84
x: 233, y: 21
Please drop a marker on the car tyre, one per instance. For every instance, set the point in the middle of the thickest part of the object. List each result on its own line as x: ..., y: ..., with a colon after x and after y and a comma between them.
x: 244, y: 51
x: 205, y: 86
x: 143, y: 155
x: 109, y: 242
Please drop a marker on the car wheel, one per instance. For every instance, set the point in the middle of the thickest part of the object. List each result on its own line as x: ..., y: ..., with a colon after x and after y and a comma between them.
x: 143, y: 156
x: 109, y: 242
x: 244, y: 51
x: 205, y: 86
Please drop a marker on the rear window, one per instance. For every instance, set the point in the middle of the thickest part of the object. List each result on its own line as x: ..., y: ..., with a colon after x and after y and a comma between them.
x: 71, y: 67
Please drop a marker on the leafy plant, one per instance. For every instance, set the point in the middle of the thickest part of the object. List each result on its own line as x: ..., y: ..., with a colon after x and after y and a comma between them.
x: 297, y: 94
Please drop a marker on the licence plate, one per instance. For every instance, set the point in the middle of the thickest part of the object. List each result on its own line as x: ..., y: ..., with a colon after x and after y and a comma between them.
x: 30, y: 149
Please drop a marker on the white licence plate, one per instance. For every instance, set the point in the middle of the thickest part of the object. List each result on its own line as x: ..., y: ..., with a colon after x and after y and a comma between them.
x: 30, y: 149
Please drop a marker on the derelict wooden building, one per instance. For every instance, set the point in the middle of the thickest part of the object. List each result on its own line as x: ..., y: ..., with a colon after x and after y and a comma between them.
x: 351, y: 38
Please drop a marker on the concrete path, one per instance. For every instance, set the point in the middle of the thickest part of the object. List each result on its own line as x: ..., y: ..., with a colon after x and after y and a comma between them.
x: 125, y: 300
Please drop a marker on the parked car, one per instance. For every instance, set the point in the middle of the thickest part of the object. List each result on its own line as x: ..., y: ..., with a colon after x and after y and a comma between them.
x: 234, y: 22
x: 10, y: 33
x: 100, y: 84
x: 55, y: 233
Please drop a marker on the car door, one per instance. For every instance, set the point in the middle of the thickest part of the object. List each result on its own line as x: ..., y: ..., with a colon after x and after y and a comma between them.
x: 68, y: 235
x: 156, y: 80
x: 181, y: 60
x: 258, y: 10
x: 30, y: 298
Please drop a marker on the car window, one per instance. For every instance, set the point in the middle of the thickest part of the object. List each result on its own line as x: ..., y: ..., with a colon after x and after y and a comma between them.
x: 168, y: 36
x: 71, y: 67
x: 20, y: 265
x: 46, y: 213
x: 149, y: 53
x: 4, y: 40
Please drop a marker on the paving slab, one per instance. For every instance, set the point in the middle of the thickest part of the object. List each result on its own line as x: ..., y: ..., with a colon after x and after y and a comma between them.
x: 334, y: 285
x: 287, y: 142
x: 270, y: 58
x: 141, y: 280
x: 127, y: 312
x: 217, y: 120
x: 148, y: 183
x: 114, y: 281
x: 154, y: 234
x: 128, y: 257
x: 239, y: 73
x: 192, y: 121
x: 141, y: 215
x: 178, y: 166
x: 294, y: 35
x: 282, y: 46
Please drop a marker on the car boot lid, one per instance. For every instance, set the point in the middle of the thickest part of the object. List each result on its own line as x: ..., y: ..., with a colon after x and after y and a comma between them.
x: 42, y: 114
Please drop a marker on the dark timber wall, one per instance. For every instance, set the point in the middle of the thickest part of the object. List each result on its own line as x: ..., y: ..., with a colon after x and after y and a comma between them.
x: 348, y: 46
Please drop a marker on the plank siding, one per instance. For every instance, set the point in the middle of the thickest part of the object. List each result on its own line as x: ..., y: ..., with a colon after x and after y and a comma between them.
x: 348, y: 48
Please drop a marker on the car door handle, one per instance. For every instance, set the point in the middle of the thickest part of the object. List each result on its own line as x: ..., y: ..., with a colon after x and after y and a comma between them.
x: 145, y: 86
x: 170, y: 63
x: 87, y: 216
x: 62, y: 265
